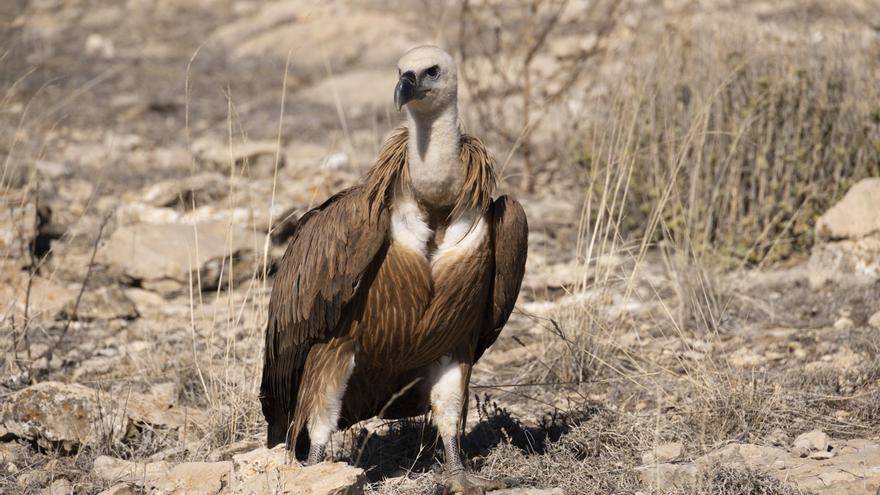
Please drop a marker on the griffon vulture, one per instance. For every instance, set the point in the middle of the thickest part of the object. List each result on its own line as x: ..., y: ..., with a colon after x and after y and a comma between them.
x: 391, y: 290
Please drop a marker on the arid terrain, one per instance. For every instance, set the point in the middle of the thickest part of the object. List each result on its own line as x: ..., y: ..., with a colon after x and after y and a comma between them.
x: 701, y: 307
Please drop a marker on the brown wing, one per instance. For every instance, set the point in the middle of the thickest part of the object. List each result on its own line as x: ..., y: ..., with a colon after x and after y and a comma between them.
x: 510, y: 242
x: 328, y: 256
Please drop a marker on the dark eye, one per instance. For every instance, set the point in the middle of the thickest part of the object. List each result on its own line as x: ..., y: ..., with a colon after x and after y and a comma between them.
x: 433, y: 72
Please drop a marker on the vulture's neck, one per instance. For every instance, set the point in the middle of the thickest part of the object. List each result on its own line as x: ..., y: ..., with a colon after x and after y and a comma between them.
x: 434, y: 156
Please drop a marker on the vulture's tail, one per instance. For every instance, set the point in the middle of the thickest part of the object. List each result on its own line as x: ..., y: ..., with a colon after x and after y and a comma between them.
x: 279, y: 415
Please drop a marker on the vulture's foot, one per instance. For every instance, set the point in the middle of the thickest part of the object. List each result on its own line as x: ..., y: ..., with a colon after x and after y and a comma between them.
x: 469, y: 484
x: 316, y: 455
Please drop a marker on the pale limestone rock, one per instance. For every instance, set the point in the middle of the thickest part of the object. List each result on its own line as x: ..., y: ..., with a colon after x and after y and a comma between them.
x: 138, y: 473
x: 67, y: 414
x: 843, y: 323
x: 197, y: 190
x: 852, y: 227
x: 120, y: 489
x: 10, y: 452
x: 47, y: 297
x: 667, y: 476
x: 104, y: 303
x: 855, y: 469
x: 812, y: 441
x: 855, y: 216
x: 342, y: 40
x: 74, y: 415
x: 60, y: 486
x: 874, y: 320
x: 194, y: 478
x: 17, y: 230
x: 269, y: 471
x: 664, y: 453
x: 159, y: 413
x: 359, y: 92
x: 137, y: 213
x: 859, y: 259
x: 529, y: 491
x: 177, y: 254
x: 148, y: 303
x: 251, y: 158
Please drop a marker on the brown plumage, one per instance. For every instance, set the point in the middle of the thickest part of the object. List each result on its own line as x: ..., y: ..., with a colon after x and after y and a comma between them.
x: 383, y: 302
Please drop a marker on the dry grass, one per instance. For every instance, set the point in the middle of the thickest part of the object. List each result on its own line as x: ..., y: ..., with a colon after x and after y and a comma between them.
x: 726, y: 480
x: 744, y: 149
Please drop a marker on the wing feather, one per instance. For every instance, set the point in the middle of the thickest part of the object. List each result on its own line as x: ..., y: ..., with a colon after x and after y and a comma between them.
x: 510, y: 242
x: 333, y: 248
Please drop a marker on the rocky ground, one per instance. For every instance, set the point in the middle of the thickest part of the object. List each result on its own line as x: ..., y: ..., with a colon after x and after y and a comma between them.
x: 157, y: 155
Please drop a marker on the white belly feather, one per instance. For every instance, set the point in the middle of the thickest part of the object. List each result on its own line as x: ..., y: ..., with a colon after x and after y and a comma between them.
x: 409, y: 229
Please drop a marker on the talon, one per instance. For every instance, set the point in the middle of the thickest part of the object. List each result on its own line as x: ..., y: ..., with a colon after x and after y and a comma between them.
x: 465, y: 483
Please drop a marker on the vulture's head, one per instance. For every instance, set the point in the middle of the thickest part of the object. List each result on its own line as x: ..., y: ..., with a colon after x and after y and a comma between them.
x: 428, y: 81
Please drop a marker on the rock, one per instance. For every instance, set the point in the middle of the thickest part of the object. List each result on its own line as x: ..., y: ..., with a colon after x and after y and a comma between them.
x: 71, y: 415
x: 260, y: 460
x: 97, y: 45
x: 160, y: 413
x: 843, y: 323
x: 47, y: 297
x: 336, y: 161
x: 252, y: 158
x: 853, y: 229
x: 120, y: 489
x: 822, y: 454
x: 171, y: 256
x: 857, y: 259
x: 105, y: 303
x: 74, y: 415
x: 664, y: 453
x: 194, y: 478
x: 18, y: 229
x: 325, y: 36
x: 187, y: 193
x: 745, y: 357
x: 811, y: 441
x: 267, y: 471
x: 10, y: 452
x: 142, y: 474
x: 844, y: 358
x: 529, y: 491
x: 95, y: 366
x: 60, y: 486
x: 855, y: 216
x: 227, y: 452
x: 874, y: 320
x: 359, y: 92
x: 258, y: 217
x: 146, y: 303
x: 667, y: 476
x: 51, y: 170
x: 165, y: 392
x: 853, y: 469
x: 138, y: 213
x: 32, y: 479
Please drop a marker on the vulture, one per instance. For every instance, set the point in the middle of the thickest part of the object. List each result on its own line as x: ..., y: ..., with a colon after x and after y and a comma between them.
x: 390, y: 291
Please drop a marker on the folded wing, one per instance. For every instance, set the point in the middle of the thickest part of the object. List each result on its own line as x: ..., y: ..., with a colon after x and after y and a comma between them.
x: 333, y: 249
x: 510, y: 240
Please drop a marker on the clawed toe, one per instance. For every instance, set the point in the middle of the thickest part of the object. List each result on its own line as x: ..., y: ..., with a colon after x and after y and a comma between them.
x: 465, y: 483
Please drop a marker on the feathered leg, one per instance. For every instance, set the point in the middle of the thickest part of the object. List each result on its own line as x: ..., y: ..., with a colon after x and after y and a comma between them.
x: 448, y: 405
x: 327, y: 373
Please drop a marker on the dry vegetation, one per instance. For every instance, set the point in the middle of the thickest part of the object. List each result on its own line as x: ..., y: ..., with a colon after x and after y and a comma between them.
x: 689, y: 158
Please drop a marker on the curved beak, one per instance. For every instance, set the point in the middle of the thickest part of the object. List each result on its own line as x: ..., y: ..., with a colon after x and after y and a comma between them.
x: 406, y: 89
